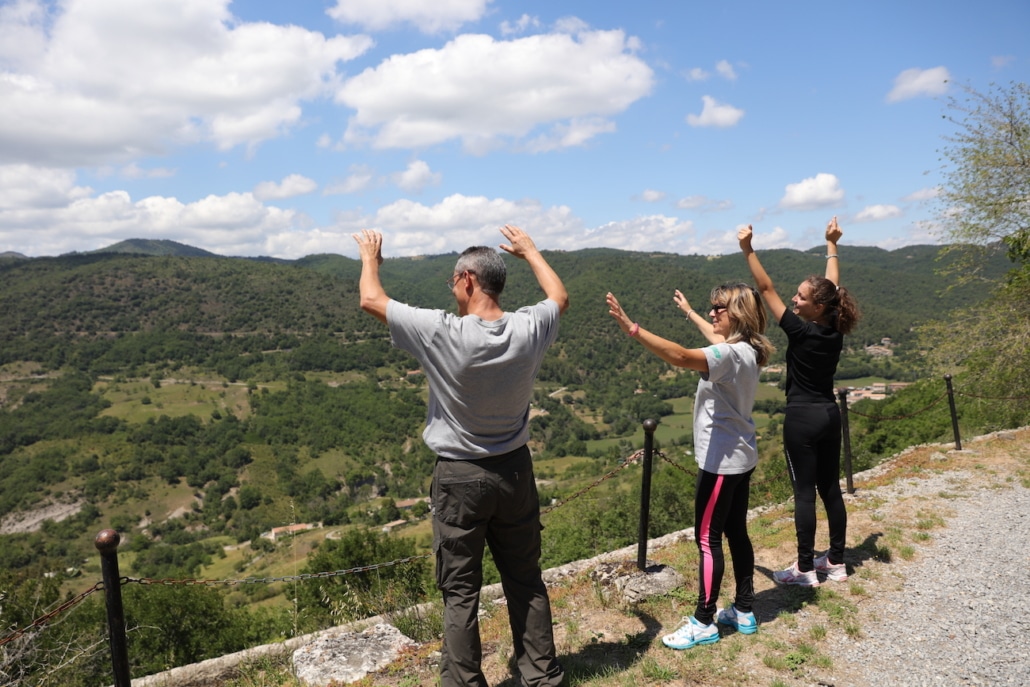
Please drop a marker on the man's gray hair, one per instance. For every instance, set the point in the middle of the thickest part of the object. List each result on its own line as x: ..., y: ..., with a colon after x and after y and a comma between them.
x: 488, y: 266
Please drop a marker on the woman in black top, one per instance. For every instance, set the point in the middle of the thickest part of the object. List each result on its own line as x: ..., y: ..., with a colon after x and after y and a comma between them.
x: 821, y: 313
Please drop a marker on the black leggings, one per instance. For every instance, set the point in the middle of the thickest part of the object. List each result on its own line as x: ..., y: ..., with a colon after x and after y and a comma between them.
x: 811, y: 439
x: 721, y: 508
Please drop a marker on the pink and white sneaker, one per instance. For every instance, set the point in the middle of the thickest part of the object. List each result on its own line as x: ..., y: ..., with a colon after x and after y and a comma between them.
x: 794, y: 576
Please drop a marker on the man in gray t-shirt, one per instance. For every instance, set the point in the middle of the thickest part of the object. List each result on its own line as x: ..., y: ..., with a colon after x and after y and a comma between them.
x: 481, y: 365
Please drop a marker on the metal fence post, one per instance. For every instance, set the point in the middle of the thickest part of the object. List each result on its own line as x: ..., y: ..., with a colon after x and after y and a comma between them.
x: 954, y: 413
x: 845, y: 433
x: 645, y: 493
x: 107, y: 543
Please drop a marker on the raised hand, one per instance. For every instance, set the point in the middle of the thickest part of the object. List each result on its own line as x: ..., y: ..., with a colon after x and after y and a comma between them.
x: 681, y: 301
x: 744, y: 235
x: 833, y: 230
x: 370, y: 245
x: 616, y: 311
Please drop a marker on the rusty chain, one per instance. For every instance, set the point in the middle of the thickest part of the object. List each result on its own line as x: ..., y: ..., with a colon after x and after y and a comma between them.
x: 44, y: 619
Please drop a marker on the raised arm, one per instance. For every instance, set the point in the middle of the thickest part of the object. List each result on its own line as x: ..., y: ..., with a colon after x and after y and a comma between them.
x: 669, y: 351
x: 373, y: 297
x: 762, y: 281
x: 703, y: 325
x: 833, y: 234
x: 522, y: 246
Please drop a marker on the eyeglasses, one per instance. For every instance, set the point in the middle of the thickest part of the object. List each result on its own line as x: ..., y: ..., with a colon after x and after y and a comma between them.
x: 718, y: 308
x: 454, y: 280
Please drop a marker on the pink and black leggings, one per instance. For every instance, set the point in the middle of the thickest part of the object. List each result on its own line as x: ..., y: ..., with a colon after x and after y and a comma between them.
x: 720, y: 507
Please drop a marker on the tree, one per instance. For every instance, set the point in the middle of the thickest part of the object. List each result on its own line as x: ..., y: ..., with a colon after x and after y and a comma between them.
x: 985, y: 197
x: 361, y: 594
x: 986, y: 203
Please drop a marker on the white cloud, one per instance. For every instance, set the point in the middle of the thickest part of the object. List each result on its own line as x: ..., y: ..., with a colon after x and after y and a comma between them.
x: 360, y: 178
x: 691, y: 202
x: 703, y: 204
x: 777, y: 238
x: 416, y: 177
x: 30, y: 188
x: 822, y: 190
x: 572, y: 25
x: 725, y: 70
x: 428, y: 17
x: 459, y: 221
x: 524, y: 23
x: 876, y: 213
x: 918, y: 233
x: 291, y: 186
x: 234, y: 224
x: 134, y: 171
x: 697, y: 74
x: 652, y: 196
x: 915, y: 83
x: 715, y: 114
x: 1002, y: 61
x: 922, y: 194
x: 653, y: 232
x: 485, y: 92
x: 21, y: 42
x: 134, y: 81
x: 563, y: 135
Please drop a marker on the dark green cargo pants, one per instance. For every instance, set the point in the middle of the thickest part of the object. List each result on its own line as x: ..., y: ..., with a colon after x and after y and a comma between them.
x: 491, y: 501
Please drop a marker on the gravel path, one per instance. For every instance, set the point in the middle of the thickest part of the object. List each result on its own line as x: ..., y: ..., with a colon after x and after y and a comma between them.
x: 961, y: 615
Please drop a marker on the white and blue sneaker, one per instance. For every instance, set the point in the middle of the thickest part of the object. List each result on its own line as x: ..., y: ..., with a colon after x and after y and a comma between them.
x: 692, y: 633
x: 744, y: 623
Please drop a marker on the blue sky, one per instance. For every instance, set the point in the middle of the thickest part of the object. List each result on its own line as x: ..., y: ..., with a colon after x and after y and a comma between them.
x: 265, y: 127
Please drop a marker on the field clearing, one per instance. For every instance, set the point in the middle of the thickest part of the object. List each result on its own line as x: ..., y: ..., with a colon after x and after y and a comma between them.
x: 138, y: 400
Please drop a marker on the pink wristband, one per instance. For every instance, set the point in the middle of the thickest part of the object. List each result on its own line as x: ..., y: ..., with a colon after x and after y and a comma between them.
x: 634, y: 329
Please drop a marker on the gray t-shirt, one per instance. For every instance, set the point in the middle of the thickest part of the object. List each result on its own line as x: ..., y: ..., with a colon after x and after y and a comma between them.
x: 724, y: 433
x: 480, y: 374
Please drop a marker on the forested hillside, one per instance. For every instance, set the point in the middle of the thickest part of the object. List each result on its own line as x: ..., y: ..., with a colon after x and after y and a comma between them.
x: 196, y: 402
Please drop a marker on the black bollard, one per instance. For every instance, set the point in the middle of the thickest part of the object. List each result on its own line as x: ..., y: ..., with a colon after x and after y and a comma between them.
x: 954, y: 413
x: 845, y: 433
x: 645, y: 493
x: 107, y: 543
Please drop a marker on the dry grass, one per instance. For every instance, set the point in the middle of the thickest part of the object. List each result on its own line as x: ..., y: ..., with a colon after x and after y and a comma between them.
x: 606, y: 643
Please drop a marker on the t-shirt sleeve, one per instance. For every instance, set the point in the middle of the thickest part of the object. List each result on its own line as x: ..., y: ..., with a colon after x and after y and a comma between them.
x: 792, y: 325
x: 546, y: 313
x: 412, y: 329
x: 723, y: 362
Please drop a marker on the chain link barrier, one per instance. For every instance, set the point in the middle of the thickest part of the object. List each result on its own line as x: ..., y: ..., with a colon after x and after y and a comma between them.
x: 303, y: 577
x: 634, y: 457
x: 191, y: 582
x: 44, y: 619
x: 993, y: 398
x: 899, y: 417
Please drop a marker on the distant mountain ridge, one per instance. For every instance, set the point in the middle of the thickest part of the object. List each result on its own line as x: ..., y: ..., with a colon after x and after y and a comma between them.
x: 156, y: 247
x: 160, y: 285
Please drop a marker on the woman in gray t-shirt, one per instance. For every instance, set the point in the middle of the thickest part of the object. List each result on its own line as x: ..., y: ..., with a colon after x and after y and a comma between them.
x: 725, y: 447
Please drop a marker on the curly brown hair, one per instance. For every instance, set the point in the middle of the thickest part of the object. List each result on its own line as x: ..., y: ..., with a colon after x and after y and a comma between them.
x: 842, y: 311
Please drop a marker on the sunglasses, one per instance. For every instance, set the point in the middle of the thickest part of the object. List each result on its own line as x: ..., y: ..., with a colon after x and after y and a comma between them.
x: 454, y: 280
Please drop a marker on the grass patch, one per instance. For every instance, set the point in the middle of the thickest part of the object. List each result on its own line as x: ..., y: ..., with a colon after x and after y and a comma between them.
x: 652, y: 670
x: 928, y: 520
